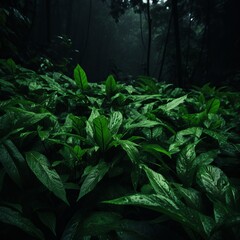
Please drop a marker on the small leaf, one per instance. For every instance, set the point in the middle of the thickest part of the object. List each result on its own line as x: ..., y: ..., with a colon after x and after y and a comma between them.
x: 39, y: 165
x: 93, y: 178
x: 14, y: 218
x: 111, y: 86
x: 80, y: 78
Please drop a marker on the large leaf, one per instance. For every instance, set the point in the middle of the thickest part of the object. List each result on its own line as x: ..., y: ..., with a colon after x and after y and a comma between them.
x: 93, y: 178
x: 9, y: 165
x: 131, y: 149
x: 188, y: 217
x: 115, y: 122
x: 186, y: 164
x: 191, y: 196
x: 143, y: 124
x: 40, y: 166
x: 12, y: 217
x: 155, y: 148
x: 102, y: 135
x: 80, y: 78
x: 27, y: 117
x: 213, y: 181
x: 173, y: 104
x: 161, y: 185
x: 213, y: 105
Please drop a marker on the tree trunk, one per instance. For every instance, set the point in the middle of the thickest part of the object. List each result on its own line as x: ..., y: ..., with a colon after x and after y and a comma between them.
x: 177, y: 44
x: 149, y: 37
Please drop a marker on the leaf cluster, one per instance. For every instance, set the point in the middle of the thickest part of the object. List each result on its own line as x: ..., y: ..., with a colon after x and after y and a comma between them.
x: 110, y: 160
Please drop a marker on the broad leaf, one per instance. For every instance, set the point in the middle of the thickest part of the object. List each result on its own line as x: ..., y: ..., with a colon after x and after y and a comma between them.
x: 80, y: 78
x: 188, y: 217
x: 213, y: 181
x: 115, y: 122
x: 213, y: 105
x: 131, y: 149
x: 186, y: 164
x: 12, y: 217
x: 93, y: 178
x: 161, y: 186
x: 191, y: 196
x: 40, y: 166
x: 155, y: 148
x: 143, y: 124
x: 173, y: 104
x: 102, y: 135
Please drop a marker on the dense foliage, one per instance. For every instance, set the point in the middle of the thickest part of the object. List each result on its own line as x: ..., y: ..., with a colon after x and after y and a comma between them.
x: 110, y: 160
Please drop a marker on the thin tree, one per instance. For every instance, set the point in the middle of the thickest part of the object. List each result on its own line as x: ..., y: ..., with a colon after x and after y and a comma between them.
x: 177, y: 44
x: 149, y: 19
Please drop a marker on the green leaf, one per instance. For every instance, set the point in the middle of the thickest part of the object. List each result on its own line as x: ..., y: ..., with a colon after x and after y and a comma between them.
x: 9, y: 165
x: 14, y: 218
x: 40, y: 166
x: 93, y: 178
x: 48, y: 219
x: 157, y: 202
x: 191, y: 196
x: 27, y: 117
x: 195, y: 119
x: 80, y: 78
x: 188, y: 217
x: 213, y: 181
x: 111, y: 86
x: 161, y: 185
x: 206, y: 158
x: 213, y: 105
x: 115, y: 122
x: 220, y: 137
x: 173, y: 104
x: 102, y: 135
x: 143, y: 124
x: 186, y: 165
x: 155, y: 148
x: 131, y: 149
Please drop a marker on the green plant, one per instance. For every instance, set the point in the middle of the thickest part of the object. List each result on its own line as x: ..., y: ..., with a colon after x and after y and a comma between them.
x: 68, y: 147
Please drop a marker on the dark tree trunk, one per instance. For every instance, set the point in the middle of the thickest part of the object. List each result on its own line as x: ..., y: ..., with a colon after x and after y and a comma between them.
x: 149, y: 37
x: 177, y: 44
x: 165, y: 46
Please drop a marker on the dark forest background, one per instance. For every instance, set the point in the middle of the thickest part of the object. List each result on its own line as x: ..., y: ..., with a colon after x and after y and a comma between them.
x: 183, y: 42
